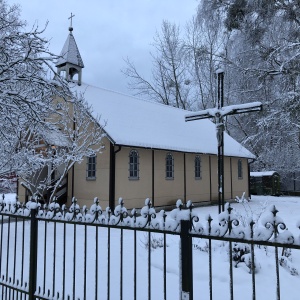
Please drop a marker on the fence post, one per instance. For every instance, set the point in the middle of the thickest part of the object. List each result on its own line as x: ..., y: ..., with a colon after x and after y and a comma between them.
x: 186, y: 261
x: 33, y: 254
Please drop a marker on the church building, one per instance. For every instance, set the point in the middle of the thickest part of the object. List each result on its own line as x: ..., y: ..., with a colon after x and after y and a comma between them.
x: 149, y: 151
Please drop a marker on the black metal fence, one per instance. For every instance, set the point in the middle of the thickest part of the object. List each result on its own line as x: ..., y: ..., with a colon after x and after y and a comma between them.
x: 78, y: 253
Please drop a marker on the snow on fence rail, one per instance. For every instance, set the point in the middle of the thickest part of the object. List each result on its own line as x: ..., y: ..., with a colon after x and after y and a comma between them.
x: 41, y: 245
x: 271, y: 229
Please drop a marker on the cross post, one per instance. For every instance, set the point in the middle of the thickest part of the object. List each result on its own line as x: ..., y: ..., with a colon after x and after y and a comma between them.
x: 71, y: 18
x: 219, y: 113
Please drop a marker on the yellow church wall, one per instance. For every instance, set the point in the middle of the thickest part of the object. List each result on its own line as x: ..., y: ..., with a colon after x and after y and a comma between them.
x: 21, y: 191
x: 198, y: 189
x: 240, y: 185
x: 85, y: 190
x: 228, y: 177
x: 168, y: 191
x: 133, y: 191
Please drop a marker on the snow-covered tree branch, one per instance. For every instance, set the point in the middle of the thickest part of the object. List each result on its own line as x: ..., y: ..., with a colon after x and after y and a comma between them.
x: 40, y: 140
x: 170, y: 82
x: 69, y: 137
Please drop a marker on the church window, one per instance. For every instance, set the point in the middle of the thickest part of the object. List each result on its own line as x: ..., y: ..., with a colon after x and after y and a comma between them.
x: 197, y: 167
x: 169, y: 166
x: 240, y: 169
x: 59, y: 106
x: 133, y: 164
x: 91, y: 168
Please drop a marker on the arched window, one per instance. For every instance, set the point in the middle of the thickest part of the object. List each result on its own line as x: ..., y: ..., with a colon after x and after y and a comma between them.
x: 240, y: 169
x: 197, y: 167
x: 133, y: 164
x: 169, y: 166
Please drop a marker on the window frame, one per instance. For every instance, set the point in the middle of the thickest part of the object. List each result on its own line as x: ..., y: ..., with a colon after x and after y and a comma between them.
x: 91, y: 167
x: 169, y: 166
x: 240, y: 169
x: 134, y: 165
x: 198, y: 167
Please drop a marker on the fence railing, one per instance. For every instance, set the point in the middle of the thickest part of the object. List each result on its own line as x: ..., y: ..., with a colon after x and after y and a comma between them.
x: 51, y: 252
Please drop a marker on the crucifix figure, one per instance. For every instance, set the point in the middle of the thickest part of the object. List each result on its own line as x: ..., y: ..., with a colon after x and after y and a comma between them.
x: 219, y: 113
x: 70, y: 18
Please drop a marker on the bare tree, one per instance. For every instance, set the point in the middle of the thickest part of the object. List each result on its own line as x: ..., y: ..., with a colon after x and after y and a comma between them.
x: 170, y: 82
x: 184, y: 65
x: 205, y: 49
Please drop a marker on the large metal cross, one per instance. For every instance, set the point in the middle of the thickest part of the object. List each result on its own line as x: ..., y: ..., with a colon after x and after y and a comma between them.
x: 219, y: 113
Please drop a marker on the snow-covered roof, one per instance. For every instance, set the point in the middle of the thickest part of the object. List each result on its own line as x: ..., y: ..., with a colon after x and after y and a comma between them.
x: 70, y: 53
x: 139, y: 123
x: 262, y: 174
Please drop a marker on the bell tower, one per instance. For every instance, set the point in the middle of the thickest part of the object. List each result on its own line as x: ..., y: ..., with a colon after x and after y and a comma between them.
x: 70, y: 61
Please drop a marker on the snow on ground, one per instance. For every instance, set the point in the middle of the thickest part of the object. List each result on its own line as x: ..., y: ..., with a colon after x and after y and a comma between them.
x: 265, y: 277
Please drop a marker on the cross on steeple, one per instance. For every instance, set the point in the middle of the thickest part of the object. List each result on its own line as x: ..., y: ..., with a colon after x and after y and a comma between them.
x: 219, y: 113
x: 70, y: 61
x: 70, y: 18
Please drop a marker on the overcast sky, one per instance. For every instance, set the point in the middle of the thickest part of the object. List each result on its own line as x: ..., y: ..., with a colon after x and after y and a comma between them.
x: 107, y: 31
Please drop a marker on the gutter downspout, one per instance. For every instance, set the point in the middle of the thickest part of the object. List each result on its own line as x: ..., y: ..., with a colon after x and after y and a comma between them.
x: 231, y: 187
x: 72, y: 192
x: 18, y: 182
x: 184, y: 178
x: 210, y: 187
x: 112, y: 175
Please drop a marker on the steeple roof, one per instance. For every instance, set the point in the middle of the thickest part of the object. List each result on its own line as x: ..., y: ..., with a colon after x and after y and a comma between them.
x: 70, y: 53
